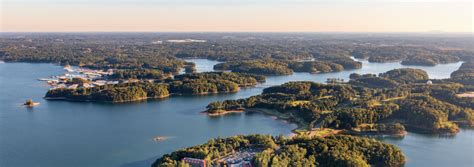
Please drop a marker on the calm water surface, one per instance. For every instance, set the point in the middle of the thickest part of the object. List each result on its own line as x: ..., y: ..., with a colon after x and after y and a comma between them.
x: 59, y: 133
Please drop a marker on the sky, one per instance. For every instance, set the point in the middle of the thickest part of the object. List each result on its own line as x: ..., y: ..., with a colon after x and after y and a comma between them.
x: 237, y: 16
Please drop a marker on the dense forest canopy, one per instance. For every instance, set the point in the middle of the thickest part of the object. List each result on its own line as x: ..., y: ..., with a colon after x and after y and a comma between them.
x: 390, y: 79
x: 158, y: 51
x: 273, y: 67
x: 334, y: 151
x: 397, y: 96
x: 185, y: 84
x: 138, y: 74
x: 465, y: 73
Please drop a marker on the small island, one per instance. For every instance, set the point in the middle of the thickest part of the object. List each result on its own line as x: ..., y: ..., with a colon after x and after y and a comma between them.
x: 219, y: 111
x: 430, y: 60
x: 29, y: 103
x: 411, y: 56
x: 273, y: 67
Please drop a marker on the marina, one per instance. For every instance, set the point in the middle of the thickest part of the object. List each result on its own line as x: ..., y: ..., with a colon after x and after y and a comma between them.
x: 90, y: 78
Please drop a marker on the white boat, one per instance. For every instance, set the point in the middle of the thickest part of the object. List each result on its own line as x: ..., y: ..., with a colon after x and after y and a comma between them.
x: 68, y: 68
x: 44, y: 79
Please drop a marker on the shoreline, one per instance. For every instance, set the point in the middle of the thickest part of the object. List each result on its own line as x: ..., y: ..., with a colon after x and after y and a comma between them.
x: 423, y: 130
x: 286, y: 117
x: 377, y: 133
x: 303, y: 129
x: 466, y: 95
x: 222, y: 112
x: 96, y: 101
x: 140, y: 99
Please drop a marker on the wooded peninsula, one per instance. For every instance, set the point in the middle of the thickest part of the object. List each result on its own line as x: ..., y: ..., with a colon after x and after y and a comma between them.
x: 389, y: 103
x: 185, y: 84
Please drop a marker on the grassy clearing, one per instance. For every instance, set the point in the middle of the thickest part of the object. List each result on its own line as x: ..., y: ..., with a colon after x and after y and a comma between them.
x: 394, y: 98
x: 317, y: 132
x: 298, y: 103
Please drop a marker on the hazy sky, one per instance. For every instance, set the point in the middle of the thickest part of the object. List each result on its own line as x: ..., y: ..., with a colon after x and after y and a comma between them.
x: 238, y: 15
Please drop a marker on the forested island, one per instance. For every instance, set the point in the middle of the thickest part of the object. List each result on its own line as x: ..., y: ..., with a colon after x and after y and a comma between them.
x: 386, y: 104
x: 269, y: 67
x: 185, y: 84
x: 413, y: 55
x: 263, y: 150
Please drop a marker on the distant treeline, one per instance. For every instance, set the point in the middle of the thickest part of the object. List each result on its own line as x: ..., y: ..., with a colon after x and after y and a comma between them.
x: 413, y: 55
x: 152, y: 51
x: 270, y: 67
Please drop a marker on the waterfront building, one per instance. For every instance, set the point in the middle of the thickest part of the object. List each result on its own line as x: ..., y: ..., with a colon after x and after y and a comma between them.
x: 194, y: 162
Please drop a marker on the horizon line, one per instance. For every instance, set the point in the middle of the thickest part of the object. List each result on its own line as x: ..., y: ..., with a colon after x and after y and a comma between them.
x: 349, y: 32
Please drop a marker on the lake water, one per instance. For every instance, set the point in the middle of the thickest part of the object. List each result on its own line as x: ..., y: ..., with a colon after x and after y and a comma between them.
x: 60, y: 133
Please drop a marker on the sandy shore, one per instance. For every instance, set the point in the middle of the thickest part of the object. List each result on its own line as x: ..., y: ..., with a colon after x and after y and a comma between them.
x: 467, y: 94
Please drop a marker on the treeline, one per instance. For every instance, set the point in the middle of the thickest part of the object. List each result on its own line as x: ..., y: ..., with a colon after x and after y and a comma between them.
x: 186, y: 84
x: 430, y: 60
x: 428, y: 114
x: 256, y: 67
x: 241, y: 79
x: 325, y: 66
x: 270, y: 67
x: 138, y: 74
x: 448, y: 92
x: 412, y: 55
x: 94, y: 56
x: 153, y: 51
x: 111, y: 93
x: 407, y: 100
x: 379, y: 128
x: 337, y: 150
x: 465, y: 74
x: 390, y: 78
